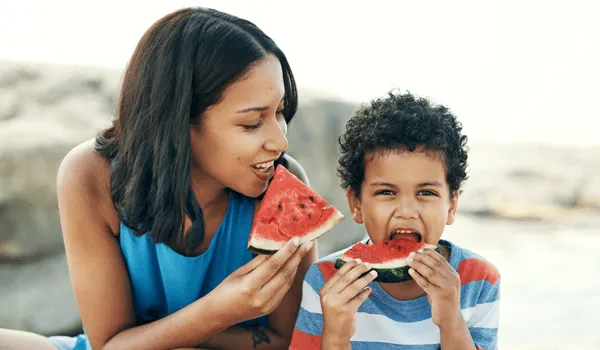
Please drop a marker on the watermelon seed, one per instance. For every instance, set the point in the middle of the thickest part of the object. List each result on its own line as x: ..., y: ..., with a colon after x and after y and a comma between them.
x: 302, y: 205
x: 279, y: 207
x: 312, y: 199
x: 385, y: 244
x: 309, y: 216
x: 294, y: 218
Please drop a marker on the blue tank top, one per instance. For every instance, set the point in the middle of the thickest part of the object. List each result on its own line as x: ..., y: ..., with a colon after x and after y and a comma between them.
x: 164, y: 281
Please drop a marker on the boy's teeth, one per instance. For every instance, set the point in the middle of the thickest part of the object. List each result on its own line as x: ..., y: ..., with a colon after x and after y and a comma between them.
x: 412, y: 235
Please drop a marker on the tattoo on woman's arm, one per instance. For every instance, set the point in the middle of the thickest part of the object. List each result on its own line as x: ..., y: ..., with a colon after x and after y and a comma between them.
x: 258, y: 335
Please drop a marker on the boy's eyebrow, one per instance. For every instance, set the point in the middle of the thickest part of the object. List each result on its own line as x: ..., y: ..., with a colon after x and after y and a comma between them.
x: 256, y: 109
x: 423, y: 184
x: 382, y: 184
x: 431, y: 183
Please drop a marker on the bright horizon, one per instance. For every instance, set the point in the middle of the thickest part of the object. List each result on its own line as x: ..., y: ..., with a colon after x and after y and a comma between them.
x: 511, y: 71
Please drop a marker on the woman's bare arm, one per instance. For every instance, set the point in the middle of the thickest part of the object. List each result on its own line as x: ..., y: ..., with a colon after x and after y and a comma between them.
x: 102, y: 286
x: 280, y: 323
x: 98, y: 273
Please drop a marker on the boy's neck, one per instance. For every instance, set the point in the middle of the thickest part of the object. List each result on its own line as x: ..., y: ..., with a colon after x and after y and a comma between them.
x: 409, y: 290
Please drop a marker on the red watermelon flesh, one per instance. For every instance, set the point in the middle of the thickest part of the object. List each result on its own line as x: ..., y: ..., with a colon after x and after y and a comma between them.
x: 388, y: 257
x: 290, y: 209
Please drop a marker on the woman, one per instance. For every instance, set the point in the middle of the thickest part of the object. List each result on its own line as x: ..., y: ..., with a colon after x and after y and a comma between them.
x: 156, y: 212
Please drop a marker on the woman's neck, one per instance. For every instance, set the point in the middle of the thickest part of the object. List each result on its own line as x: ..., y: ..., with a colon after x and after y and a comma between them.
x: 213, y: 199
x: 209, y: 193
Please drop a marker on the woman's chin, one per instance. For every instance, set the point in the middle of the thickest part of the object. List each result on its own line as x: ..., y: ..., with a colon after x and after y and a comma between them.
x: 254, y: 190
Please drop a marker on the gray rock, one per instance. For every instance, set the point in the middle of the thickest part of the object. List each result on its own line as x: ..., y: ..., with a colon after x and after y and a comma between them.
x: 37, y: 296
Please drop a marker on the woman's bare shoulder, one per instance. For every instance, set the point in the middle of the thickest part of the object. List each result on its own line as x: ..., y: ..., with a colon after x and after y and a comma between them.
x: 85, y: 175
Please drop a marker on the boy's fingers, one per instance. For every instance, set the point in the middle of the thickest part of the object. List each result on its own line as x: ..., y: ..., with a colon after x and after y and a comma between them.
x: 349, y: 278
x: 421, y: 281
x: 440, y: 261
x: 357, y: 301
x: 353, y: 289
x: 433, y: 264
x: 432, y: 276
x: 349, y: 265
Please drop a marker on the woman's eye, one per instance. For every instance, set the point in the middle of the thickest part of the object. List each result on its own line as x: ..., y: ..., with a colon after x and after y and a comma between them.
x: 253, y: 126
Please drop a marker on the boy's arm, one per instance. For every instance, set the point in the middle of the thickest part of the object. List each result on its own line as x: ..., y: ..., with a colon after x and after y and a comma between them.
x: 475, y: 282
x: 457, y: 338
x: 484, y: 322
x: 481, y: 330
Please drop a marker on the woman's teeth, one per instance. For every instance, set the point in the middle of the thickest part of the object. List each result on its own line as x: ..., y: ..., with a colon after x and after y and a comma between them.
x: 263, y: 167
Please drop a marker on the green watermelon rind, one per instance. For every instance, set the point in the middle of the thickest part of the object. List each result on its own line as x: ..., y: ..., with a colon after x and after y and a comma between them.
x: 390, y: 275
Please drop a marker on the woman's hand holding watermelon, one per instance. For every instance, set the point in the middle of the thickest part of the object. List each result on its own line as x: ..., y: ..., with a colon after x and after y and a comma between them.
x: 258, y: 287
x: 441, y: 282
x: 341, y: 296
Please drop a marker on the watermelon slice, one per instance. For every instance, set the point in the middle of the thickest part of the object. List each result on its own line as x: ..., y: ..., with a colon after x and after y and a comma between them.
x: 290, y: 209
x: 387, y: 257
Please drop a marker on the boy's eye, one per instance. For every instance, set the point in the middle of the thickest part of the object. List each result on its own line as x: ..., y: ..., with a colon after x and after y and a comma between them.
x: 427, y: 193
x: 384, y: 192
x: 280, y: 112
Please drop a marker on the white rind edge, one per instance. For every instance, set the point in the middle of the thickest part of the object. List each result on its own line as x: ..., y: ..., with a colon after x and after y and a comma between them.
x: 266, y: 244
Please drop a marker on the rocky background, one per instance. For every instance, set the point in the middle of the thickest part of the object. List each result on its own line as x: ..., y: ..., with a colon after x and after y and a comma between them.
x: 47, y: 110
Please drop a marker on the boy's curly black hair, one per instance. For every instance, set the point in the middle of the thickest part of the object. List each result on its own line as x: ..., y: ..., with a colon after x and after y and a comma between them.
x: 402, y: 121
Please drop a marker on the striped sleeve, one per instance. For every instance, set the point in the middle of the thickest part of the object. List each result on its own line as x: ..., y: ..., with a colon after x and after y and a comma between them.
x: 309, y: 324
x: 481, y: 283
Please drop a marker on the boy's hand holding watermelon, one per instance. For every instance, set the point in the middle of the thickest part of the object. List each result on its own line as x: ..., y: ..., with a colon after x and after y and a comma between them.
x: 340, y: 298
x: 441, y: 282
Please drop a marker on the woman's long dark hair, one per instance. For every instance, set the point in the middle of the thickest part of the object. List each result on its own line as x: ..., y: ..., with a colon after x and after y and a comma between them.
x: 180, y: 67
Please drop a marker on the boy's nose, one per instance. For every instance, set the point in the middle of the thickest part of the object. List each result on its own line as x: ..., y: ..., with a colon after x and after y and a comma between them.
x: 406, y: 208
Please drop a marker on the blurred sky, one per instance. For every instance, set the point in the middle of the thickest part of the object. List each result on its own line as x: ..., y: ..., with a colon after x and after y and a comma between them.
x: 512, y: 70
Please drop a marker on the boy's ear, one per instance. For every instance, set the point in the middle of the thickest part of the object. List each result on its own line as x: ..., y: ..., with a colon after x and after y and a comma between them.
x: 354, y: 204
x: 453, y: 206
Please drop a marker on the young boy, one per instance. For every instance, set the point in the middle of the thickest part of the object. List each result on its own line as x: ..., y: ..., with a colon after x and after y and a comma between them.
x: 402, y: 164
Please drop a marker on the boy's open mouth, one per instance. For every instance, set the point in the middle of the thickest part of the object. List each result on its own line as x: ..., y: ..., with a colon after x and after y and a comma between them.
x: 409, y: 234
